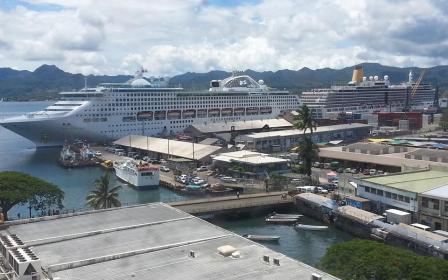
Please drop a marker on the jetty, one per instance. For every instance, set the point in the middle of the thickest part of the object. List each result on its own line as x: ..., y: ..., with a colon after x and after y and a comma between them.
x: 233, y: 203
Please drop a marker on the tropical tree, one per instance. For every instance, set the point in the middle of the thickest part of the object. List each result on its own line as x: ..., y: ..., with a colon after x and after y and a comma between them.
x: 366, y: 259
x: 309, y: 152
x: 304, y: 120
x: 21, y: 188
x: 103, y: 196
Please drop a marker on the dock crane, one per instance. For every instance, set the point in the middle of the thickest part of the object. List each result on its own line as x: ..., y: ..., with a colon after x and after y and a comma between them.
x: 413, y: 91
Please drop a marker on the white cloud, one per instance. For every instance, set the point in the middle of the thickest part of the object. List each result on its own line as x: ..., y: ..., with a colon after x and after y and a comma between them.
x: 176, y: 36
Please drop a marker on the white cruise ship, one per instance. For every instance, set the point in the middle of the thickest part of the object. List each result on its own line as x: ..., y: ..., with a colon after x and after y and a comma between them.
x: 113, y: 110
x: 365, y: 95
x: 139, y: 174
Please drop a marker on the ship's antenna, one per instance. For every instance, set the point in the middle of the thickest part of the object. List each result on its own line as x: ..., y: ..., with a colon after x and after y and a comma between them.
x: 85, y: 82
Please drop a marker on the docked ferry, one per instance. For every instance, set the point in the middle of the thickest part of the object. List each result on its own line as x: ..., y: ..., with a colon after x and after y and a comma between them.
x: 110, y: 111
x: 368, y: 95
x: 139, y: 174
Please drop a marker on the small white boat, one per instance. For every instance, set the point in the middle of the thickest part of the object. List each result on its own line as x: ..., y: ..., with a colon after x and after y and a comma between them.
x: 280, y: 221
x: 310, y: 227
x: 254, y: 237
x: 285, y: 216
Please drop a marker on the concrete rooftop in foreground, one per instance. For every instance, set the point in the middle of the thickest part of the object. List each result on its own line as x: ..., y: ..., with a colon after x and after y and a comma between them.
x: 150, y: 241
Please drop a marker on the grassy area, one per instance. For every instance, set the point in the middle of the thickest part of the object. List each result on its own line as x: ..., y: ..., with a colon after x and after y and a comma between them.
x: 365, y: 260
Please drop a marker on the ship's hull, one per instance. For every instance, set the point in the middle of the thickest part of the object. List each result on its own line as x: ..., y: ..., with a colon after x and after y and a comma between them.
x: 47, y: 132
x: 52, y: 132
x: 151, y: 182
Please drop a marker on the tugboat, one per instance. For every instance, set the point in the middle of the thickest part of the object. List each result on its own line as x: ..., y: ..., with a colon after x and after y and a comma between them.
x: 139, y: 174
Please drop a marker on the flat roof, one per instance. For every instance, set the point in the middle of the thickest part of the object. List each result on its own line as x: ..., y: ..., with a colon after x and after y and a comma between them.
x: 417, y: 181
x: 394, y: 159
x: 430, y: 153
x: 297, y: 132
x: 248, y: 157
x: 397, y: 212
x: 217, y: 127
x: 168, y: 147
x: 150, y: 241
x: 359, y: 214
x: 440, y: 192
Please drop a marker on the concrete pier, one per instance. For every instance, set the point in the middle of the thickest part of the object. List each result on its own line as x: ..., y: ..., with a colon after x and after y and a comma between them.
x: 233, y: 203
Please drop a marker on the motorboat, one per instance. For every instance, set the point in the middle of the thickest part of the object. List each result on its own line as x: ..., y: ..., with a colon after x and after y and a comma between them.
x: 310, y: 227
x: 267, y: 238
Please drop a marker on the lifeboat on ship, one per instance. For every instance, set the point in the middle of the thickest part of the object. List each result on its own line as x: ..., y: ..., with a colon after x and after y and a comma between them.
x: 266, y: 110
x: 239, y: 111
x: 174, y: 114
x: 160, y: 115
x: 201, y: 113
x: 145, y: 116
x: 252, y: 111
x: 189, y: 114
x: 226, y: 112
x: 214, y: 112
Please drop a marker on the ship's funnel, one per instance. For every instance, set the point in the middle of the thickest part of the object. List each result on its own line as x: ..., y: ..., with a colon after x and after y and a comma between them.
x: 358, y: 73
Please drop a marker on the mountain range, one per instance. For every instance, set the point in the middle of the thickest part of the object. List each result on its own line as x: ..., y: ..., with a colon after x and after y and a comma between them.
x: 47, y: 80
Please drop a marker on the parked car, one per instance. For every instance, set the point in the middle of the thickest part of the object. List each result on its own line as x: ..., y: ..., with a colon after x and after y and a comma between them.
x: 164, y: 168
x: 97, y: 153
x: 322, y: 190
x: 228, y: 179
x: 329, y: 187
x: 316, y: 164
x: 202, y: 168
x: 380, y: 172
x: 372, y: 172
x: 348, y: 170
x: 296, y: 181
x: 327, y: 165
x: 305, y: 189
x: 366, y: 172
x: 340, y: 170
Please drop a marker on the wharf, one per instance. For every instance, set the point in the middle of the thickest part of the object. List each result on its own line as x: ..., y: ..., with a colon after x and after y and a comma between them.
x: 233, y: 203
x: 148, y: 241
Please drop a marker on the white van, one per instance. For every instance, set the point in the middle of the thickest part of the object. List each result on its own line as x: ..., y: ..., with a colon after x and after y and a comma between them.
x: 305, y: 189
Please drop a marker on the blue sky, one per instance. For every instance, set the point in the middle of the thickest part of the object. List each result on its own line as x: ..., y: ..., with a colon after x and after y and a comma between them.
x: 176, y: 36
x: 8, y: 5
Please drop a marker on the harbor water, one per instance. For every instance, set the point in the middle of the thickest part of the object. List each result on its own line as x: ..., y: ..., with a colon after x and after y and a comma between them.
x: 19, y: 154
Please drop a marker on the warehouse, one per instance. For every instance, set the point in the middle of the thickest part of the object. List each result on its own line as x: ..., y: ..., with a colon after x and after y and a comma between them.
x: 166, y: 148
x: 283, y: 140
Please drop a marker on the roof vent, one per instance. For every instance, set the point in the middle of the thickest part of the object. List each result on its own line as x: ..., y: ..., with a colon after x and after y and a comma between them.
x: 316, y: 276
x: 266, y: 258
x: 276, y: 261
x: 192, y: 254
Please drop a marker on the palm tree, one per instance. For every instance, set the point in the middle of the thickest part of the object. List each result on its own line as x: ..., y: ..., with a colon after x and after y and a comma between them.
x: 103, y: 196
x: 309, y: 152
x: 304, y: 120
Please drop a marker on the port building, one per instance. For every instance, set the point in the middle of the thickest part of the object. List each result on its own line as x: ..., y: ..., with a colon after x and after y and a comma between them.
x: 166, y: 148
x: 422, y: 193
x: 284, y: 140
x: 224, y: 129
x: 148, y: 241
x: 250, y: 163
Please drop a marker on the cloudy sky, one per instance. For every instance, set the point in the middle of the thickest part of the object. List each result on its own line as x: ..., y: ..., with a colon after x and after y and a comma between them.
x: 175, y: 36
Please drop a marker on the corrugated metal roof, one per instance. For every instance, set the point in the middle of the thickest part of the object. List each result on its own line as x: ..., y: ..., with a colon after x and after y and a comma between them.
x: 211, y: 127
x: 297, y: 132
x: 248, y: 157
x: 165, y: 146
x: 419, y: 181
x: 440, y: 192
x: 359, y: 214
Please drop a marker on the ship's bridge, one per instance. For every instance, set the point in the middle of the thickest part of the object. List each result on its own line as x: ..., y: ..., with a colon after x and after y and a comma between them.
x: 237, y: 83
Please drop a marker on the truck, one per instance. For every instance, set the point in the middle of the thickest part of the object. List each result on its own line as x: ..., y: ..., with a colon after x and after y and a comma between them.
x: 395, y: 216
